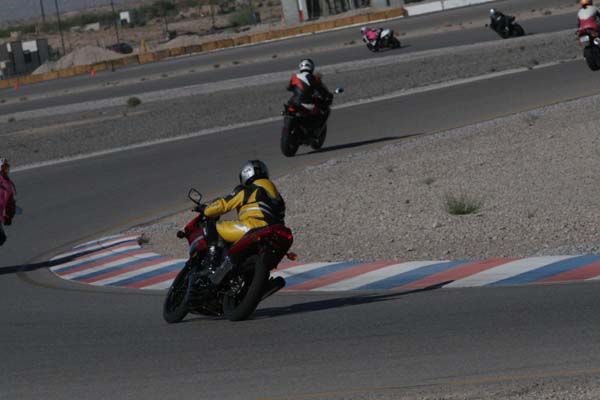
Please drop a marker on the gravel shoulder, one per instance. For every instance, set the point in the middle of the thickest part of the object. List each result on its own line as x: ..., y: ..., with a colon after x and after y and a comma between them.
x: 65, y: 131
x: 536, y: 175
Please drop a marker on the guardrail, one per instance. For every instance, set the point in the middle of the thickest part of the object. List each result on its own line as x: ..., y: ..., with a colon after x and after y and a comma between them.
x: 144, y: 58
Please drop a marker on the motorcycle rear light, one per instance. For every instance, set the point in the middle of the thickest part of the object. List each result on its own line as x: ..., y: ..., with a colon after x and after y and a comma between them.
x: 291, y: 109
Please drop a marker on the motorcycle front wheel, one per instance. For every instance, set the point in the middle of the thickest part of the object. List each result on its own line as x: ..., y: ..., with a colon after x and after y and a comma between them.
x: 175, y: 307
x: 289, y: 142
x: 254, y: 276
x: 318, y: 142
x: 395, y: 43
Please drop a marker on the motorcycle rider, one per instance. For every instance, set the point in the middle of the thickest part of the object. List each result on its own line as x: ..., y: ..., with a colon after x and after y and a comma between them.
x: 258, y: 204
x: 306, y: 87
x: 7, y: 198
x: 499, y: 21
x: 372, y: 34
x: 588, y: 16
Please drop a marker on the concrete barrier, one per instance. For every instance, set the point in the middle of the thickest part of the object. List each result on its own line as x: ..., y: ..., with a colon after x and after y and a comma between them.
x: 450, y: 4
x: 146, y: 58
x: 176, y: 52
x: 196, y: 48
x: 130, y: 60
x: 424, y: 8
x: 242, y: 40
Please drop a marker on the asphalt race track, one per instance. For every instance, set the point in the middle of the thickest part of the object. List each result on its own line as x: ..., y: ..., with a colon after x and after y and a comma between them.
x: 470, y: 35
x: 61, y: 340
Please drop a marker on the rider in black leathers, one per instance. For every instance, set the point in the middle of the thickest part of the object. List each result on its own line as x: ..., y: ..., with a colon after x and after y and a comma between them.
x: 499, y: 21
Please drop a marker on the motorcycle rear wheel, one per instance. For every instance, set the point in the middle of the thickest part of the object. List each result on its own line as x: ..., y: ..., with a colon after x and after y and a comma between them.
x: 175, y: 307
x: 592, y: 57
x: 517, y: 30
x: 289, y: 143
x: 256, y: 275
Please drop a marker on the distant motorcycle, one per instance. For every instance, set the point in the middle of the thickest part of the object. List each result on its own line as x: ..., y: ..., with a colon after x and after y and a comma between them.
x: 302, y: 126
x: 238, y: 293
x: 378, y: 39
x: 511, y: 29
x: 589, y: 40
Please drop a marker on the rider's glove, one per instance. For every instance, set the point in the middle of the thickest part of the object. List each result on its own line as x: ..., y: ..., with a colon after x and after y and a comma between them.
x: 200, y: 208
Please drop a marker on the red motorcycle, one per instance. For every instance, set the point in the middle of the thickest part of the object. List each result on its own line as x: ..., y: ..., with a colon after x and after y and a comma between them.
x: 302, y: 126
x: 237, y: 295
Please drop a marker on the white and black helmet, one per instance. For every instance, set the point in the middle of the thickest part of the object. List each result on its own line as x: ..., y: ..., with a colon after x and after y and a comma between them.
x: 306, y: 65
x: 253, y: 170
x: 492, y: 12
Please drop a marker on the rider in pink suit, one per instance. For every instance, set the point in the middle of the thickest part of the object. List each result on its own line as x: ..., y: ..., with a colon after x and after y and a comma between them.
x: 7, y: 198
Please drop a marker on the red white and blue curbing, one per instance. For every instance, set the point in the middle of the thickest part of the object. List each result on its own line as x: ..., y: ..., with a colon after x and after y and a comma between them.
x: 120, y: 261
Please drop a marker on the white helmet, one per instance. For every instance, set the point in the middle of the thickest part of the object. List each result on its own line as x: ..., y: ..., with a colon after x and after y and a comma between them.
x: 363, y: 30
x: 492, y: 11
x: 306, y: 65
x: 253, y: 170
x: 3, y: 162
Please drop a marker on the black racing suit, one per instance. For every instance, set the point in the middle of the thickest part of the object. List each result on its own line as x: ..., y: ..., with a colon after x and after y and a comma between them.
x: 499, y: 22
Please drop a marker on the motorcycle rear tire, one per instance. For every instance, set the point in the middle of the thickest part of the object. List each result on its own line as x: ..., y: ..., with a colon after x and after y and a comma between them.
x: 238, y: 309
x: 318, y: 142
x: 289, y: 143
x: 517, y: 30
x: 175, y: 307
x: 592, y: 57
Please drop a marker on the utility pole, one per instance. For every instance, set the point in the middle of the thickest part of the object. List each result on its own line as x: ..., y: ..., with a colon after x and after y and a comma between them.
x: 164, y: 8
x: 43, y: 12
x: 112, y: 4
x: 62, y: 38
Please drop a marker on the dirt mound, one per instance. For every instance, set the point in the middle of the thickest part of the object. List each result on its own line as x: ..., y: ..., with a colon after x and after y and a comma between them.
x: 81, y: 56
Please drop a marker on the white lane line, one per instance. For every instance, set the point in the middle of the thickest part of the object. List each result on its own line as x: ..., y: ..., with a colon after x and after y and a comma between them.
x: 86, y: 259
x: 125, y: 260
x: 131, y: 238
x: 227, y: 128
x: 289, y: 272
x: 134, y: 273
x: 507, y: 270
x: 377, y: 275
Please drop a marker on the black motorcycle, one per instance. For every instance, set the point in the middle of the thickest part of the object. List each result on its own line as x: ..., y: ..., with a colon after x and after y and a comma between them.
x: 511, y: 28
x: 302, y: 126
x: 588, y: 38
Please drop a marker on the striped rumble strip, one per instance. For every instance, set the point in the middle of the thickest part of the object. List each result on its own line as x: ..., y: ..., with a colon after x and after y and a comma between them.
x: 120, y: 261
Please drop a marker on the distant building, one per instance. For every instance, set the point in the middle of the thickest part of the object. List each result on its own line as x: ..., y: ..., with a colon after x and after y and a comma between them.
x: 94, y: 27
x: 20, y: 58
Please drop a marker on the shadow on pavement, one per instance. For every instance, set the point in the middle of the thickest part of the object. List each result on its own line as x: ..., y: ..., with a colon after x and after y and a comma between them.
x: 319, y: 305
x: 352, y: 145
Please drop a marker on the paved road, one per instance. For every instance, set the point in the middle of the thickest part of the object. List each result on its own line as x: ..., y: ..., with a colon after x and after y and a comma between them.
x: 162, y: 174
x: 60, y: 340
x: 133, y: 75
